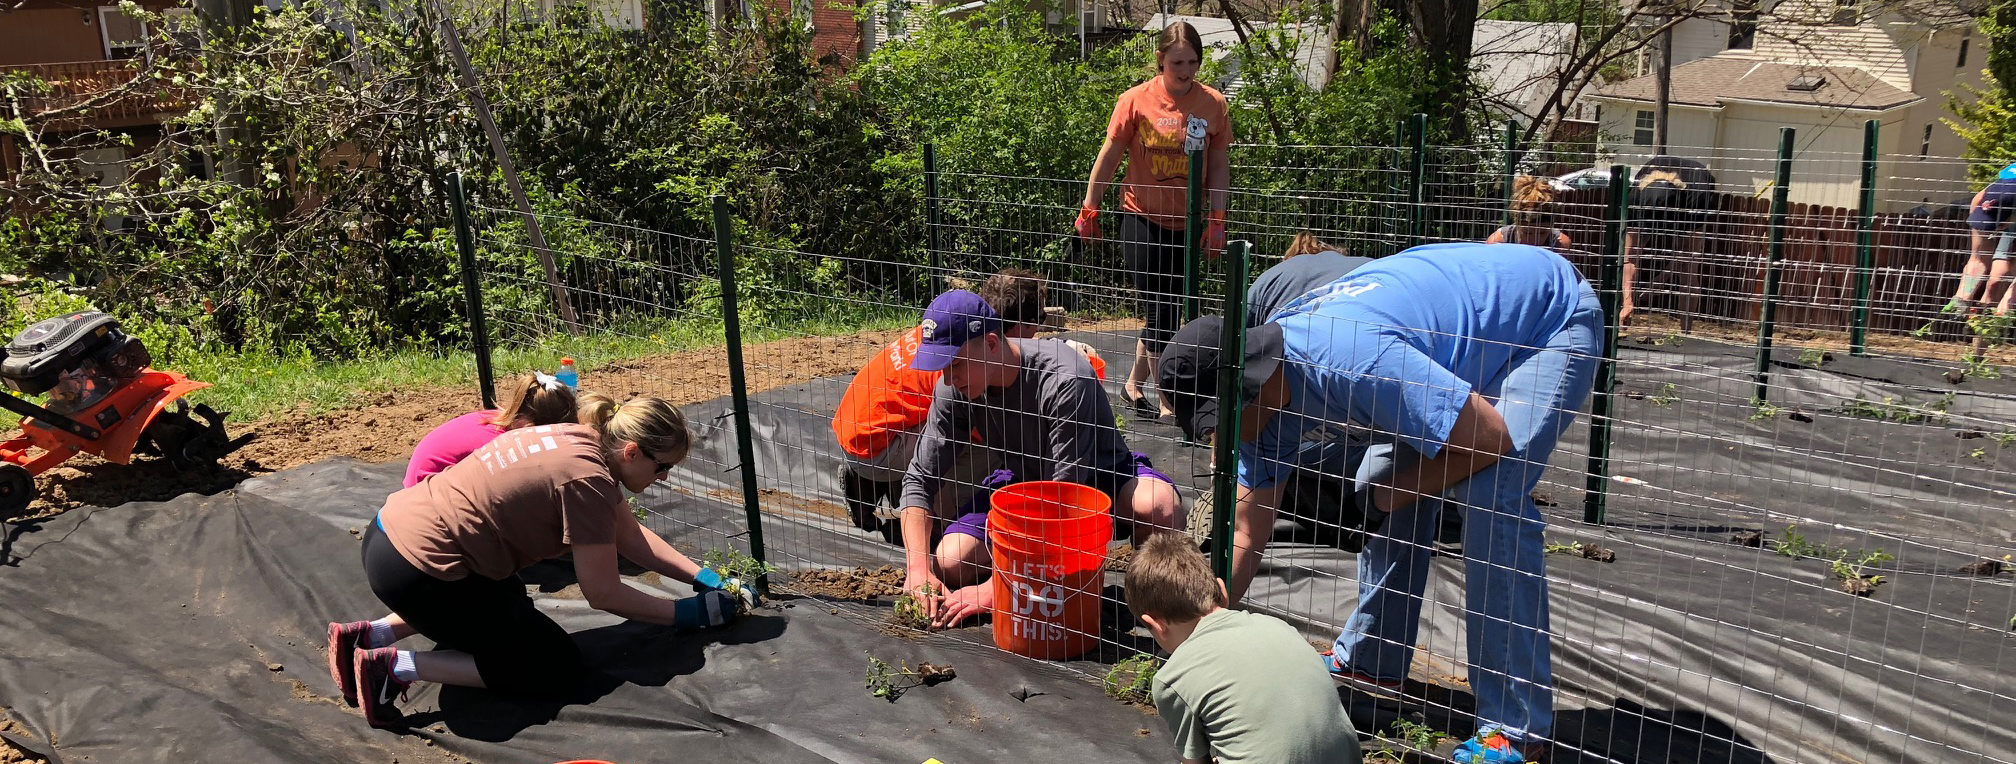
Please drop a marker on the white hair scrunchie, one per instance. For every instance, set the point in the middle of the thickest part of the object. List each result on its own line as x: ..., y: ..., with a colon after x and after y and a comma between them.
x: 548, y: 381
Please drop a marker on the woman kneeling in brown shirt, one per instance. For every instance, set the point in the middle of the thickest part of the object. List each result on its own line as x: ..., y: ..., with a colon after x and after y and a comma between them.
x: 445, y: 554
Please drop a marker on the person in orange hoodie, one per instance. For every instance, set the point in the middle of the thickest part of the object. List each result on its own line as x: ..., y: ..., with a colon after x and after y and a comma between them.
x: 879, y: 417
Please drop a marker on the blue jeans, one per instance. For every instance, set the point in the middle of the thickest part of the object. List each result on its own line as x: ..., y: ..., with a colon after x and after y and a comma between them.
x: 1505, y: 571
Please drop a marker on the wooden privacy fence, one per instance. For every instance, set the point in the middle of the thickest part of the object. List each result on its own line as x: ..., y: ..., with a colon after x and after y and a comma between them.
x: 1917, y: 262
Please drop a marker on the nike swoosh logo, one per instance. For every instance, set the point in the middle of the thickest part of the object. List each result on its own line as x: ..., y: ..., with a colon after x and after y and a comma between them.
x: 385, y: 692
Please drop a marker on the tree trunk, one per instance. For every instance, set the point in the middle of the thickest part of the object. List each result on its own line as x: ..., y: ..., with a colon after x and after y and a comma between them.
x: 1444, y: 28
x: 1350, y: 24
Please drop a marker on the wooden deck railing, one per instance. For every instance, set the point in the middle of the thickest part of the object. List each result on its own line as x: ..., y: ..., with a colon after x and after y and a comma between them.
x: 74, y: 83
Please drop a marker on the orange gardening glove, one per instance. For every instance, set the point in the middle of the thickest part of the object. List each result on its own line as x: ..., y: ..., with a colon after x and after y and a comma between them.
x: 1088, y: 223
x: 1214, y: 234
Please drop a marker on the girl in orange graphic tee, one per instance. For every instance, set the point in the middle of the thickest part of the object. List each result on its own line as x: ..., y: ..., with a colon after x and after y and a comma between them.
x: 1155, y: 125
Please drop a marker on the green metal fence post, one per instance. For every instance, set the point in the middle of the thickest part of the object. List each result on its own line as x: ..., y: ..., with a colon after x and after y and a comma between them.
x: 1512, y: 157
x: 738, y: 381
x: 1767, y: 320
x: 472, y: 290
x: 932, y: 250
x: 1417, y: 183
x: 1193, y: 235
x: 1231, y: 364
x: 1611, y: 272
x: 1865, y: 244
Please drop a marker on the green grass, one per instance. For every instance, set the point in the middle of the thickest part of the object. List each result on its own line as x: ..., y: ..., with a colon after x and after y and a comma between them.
x: 260, y: 385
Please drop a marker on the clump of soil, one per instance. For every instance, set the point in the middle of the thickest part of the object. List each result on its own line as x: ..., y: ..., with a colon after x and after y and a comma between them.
x: 1859, y: 586
x: 1119, y: 558
x: 1597, y: 553
x: 850, y: 584
x: 1748, y: 538
x: 8, y: 753
x: 1543, y: 499
x: 1983, y: 567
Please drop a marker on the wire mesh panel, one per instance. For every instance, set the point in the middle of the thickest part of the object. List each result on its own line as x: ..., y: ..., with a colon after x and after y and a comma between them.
x: 646, y: 322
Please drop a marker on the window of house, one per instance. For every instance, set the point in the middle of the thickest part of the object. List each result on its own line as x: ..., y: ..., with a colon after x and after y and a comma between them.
x: 1847, y: 12
x: 1963, y: 53
x: 1641, y: 133
x: 123, y: 35
x: 1743, y: 25
x: 1925, y: 145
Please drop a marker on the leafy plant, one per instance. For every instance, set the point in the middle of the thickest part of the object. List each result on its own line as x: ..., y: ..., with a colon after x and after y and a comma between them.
x: 909, y: 612
x: 1979, y: 454
x: 1796, y: 546
x: 1572, y: 547
x: 1979, y: 367
x: 2004, y: 439
x: 1668, y: 394
x: 1420, y: 736
x: 737, y: 570
x: 1762, y: 410
x: 1133, y: 680
x: 1853, y: 575
x: 1813, y: 356
x: 637, y: 508
x: 1671, y: 337
x: 890, y: 682
x: 1892, y: 409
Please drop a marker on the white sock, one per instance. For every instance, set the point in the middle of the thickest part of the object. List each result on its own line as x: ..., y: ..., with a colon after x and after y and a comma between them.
x: 402, y: 668
x: 380, y: 635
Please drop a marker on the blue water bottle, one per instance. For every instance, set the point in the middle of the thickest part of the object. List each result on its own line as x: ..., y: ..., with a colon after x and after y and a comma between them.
x: 566, y: 374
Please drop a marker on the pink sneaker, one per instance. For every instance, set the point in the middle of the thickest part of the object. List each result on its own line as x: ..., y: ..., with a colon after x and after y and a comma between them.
x: 344, y: 639
x: 377, y: 689
x: 1362, y: 681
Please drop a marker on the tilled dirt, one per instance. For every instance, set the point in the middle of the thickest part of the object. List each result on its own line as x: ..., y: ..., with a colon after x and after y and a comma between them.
x: 851, y: 584
x: 384, y: 428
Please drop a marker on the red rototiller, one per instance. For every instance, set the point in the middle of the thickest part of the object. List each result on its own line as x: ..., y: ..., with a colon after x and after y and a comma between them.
x: 102, y: 399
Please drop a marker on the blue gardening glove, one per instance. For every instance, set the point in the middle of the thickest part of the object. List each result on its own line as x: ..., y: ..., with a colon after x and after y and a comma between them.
x: 708, y: 580
x: 709, y: 608
x: 1490, y: 746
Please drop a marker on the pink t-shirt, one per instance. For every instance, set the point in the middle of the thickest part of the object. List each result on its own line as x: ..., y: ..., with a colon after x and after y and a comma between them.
x: 451, y: 443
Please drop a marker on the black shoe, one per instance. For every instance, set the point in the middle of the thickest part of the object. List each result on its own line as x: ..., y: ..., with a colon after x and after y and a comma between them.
x: 1449, y: 533
x: 861, y: 499
x: 1142, y: 407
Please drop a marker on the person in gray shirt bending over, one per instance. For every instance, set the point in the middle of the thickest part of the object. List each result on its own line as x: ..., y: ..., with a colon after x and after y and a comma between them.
x: 1040, y: 414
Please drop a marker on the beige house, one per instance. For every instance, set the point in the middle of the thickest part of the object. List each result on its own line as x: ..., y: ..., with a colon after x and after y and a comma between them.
x: 1822, y: 67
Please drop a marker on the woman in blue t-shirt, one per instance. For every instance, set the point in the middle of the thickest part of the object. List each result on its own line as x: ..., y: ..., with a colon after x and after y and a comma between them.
x: 1453, y: 368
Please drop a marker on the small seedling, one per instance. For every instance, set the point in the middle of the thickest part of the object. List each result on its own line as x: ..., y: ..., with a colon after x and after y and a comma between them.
x: 1762, y: 410
x: 890, y: 682
x: 1388, y: 756
x: 1796, y: 546
x: 1892, y: 409
x: 2004, y: 439
x: 1131, y: 680
x: 1420, y: 736
x: 1572, y: 547
x: 738, y: 570
x: 1813, y: 357
x: 1978, y: 367
x: 1579, y: 549
x: 637, y: 508
x: 1979, y: 453
x: 1852, y: 575
x: 1672, y: 338
x: 1668, y: 393
x: 909, y: 612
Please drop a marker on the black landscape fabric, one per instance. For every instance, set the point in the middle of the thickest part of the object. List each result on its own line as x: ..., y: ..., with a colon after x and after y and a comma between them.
x: 192, y: 629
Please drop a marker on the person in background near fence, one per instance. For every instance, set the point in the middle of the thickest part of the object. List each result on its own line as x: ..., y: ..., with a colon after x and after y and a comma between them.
x: 1039, y: 413
x: 444, y: 556
x: 1455, y: 367
x: 1670, y: 201
x: 1990, y: 216
x: 1532, y: 224
x: 1239, y: 687
x: 538, y: 399
x: 886, y: 403
x: 1154, y: 125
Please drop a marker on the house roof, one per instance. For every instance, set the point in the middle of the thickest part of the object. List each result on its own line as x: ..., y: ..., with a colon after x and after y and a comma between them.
x: 1715, y: 80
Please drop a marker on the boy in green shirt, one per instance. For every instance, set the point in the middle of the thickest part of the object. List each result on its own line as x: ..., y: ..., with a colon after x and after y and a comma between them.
x: 1238, y: 687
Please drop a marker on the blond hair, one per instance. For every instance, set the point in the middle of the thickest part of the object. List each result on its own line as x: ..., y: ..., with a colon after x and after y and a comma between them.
x: 653, y: 424
x: 1169, y: 579
x: 1530, y: 197
x: 537, y: 399
x: 1306, y: 243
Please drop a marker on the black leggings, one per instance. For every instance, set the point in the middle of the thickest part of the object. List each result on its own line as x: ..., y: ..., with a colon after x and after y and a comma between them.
x: 518, y: 650
x: 1154, y: 257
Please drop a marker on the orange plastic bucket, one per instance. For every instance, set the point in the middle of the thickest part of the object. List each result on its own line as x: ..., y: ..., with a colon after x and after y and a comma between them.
x: 1049, y: 543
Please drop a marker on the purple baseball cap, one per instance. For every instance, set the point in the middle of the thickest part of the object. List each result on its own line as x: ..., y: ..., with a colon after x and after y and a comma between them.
x: 953, y: 319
